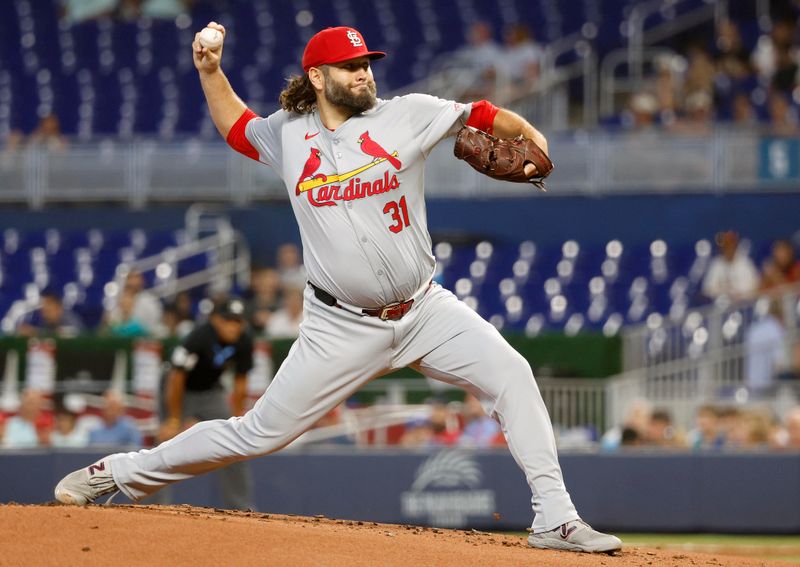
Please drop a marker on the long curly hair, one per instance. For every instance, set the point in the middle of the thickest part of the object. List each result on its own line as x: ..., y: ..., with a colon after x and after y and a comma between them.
x: 299, y: 95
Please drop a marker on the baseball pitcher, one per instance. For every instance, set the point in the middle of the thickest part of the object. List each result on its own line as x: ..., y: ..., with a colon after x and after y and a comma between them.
x: 353, y: 166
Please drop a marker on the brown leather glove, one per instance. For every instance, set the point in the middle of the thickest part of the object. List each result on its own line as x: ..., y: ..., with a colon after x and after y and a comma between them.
x: 502, y: 159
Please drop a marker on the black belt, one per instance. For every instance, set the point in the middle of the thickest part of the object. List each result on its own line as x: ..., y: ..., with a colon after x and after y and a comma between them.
x: 391, y: 312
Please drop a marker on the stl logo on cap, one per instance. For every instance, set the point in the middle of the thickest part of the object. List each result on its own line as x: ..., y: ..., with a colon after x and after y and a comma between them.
x: 335, y: 45
x: 354, y: 38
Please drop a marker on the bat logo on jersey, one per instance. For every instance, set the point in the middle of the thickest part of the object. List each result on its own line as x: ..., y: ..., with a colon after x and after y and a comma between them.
x: 330, y: 187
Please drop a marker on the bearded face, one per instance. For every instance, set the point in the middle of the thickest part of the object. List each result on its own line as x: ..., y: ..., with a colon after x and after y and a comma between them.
x: 340, y: 94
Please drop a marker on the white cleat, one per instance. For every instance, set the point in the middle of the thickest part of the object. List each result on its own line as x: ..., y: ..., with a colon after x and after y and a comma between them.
x: 576, y: 535
x: 84, y: 486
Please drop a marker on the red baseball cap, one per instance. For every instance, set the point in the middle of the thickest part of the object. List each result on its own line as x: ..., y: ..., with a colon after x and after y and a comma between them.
x: 334, y: 45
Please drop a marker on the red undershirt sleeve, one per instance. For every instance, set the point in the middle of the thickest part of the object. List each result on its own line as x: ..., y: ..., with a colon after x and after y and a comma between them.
x: 237, y: 138
x: 482, y: 116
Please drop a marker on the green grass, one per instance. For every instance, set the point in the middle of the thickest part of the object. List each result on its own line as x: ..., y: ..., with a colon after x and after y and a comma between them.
x: 724, y: 539
x: 786, y: 548
x: 774, y: 547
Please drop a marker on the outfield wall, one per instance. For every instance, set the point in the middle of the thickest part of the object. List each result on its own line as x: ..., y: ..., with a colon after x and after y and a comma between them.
x: 643, y: 492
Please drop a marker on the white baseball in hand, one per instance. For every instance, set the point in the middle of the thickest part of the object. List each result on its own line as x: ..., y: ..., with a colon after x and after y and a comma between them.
x: 210, y: 38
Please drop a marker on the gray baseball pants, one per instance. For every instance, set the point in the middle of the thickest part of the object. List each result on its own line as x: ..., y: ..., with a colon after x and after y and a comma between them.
x: 336, y: 353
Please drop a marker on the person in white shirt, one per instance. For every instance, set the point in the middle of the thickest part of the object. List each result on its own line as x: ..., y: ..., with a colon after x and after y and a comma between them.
x: 522, y: 59
x: 765, y: 351
x: 731, y: 273
x: 285, y: 322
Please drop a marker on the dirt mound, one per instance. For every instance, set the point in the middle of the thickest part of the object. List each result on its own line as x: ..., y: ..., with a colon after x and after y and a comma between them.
x: 183, y: 535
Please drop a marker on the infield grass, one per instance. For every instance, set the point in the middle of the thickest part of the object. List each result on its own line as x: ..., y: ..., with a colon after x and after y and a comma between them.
x: 774, y: 547
x: 785, y: 548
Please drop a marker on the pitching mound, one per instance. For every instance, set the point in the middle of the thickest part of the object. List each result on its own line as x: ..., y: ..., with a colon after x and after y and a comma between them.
x: 183, y: 535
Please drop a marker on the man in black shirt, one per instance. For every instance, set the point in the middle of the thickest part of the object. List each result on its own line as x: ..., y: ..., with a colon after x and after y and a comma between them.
x: 194, y: 391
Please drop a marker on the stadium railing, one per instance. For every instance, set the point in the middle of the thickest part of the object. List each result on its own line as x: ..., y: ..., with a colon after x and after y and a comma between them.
x: 706, y: 358
x: 593, y: 163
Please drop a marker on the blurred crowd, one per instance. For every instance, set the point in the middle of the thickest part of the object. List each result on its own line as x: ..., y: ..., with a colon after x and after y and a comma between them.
x: 769, y: 355
x: 724, y: 80
x: 716, y: 428
x: 463, y: 424
x: 125, y: 10
x: 733, y: 274
x: 274, y: 304
x: 500, y: 72
x: 64, y: 422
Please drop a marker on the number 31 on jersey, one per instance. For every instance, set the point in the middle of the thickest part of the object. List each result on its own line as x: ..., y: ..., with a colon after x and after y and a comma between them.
x: 399, y: 214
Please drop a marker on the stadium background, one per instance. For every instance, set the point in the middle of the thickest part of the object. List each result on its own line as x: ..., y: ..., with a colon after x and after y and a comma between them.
x: 670, y: 122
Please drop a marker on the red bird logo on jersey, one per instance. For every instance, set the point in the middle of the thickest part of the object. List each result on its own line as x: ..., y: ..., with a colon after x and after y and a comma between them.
x: 325, y: 190
x: 312, y: 165
x: 374, y: 149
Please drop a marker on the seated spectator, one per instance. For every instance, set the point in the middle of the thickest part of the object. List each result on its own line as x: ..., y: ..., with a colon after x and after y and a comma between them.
x: 31, y: 426
x: 630, y: 437
x: 48, y: 134
x: 184, y: 306
x: 661, y: 432
x: 731, y: 273
x: 146, y: 308
x: 122, y: 321
x: 444, y: 424
x: 418, y: 433
x: 174, y: 324
x: 521, y: 60
x: 67, y: 432
x: 480, y: 430
x: 765, y: 348
x: 285, y: 322
x: 752, y: 430
x: 641, y: 112
x: 742, y: 111
x: 785, y: 77
x: 335, y: 419
x: 732, y: 59
x: 782, y: 117
x: 698, y: 115
x: 290, y: 266
x: 117, y: 428
x: 51, y: 319
x: 667, y: 85
x: 791, y: 431
x: 705, y: 435
x: 481, y: 56
x: 766, y: 55
x: 727, y: 420
x: 700, y: 71
x: 439, y: 429
x: 637, y: 420
x: 264, y: 296
x: 782, y: 267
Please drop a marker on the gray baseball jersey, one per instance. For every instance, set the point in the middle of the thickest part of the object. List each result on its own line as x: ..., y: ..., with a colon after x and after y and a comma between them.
x: 358, y: 192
